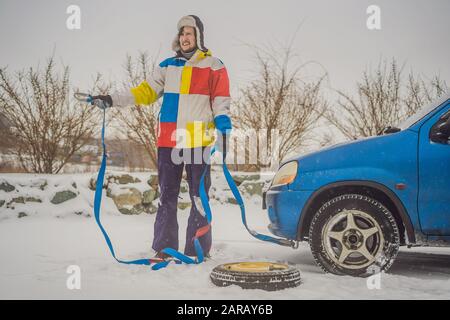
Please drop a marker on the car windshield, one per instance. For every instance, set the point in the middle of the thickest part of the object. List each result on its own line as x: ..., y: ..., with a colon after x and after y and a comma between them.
x: 423, y: 111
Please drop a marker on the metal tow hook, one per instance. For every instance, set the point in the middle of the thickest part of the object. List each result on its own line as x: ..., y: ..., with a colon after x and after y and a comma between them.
x: 295, y: 244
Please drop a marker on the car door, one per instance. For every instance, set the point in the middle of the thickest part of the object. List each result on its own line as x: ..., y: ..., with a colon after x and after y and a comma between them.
x: 434, y: 175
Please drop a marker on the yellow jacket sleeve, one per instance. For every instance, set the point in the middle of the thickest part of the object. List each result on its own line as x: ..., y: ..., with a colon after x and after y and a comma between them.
x: 144, y: 94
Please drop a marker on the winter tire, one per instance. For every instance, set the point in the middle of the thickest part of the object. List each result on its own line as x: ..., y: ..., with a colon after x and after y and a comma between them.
x: 354, y: 235
x: 256, y: 275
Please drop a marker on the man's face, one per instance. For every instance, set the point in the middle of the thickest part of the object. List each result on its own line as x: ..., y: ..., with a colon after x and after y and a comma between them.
x: 187, y: 39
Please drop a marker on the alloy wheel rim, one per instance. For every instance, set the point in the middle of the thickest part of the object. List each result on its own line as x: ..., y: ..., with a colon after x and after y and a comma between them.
x: 353, y: 239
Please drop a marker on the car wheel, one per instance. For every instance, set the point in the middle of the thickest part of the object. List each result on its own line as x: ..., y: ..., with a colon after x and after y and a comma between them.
x: 354, y: 235
x: 256, y: 275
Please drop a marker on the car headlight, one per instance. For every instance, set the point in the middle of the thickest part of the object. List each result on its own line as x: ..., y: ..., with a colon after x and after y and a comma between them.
x: 286, y: 174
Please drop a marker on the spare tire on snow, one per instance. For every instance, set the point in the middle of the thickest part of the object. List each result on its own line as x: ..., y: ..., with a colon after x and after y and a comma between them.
x: 267, y: 276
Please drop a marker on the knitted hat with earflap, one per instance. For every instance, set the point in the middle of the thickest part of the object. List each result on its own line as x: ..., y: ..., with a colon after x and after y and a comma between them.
x: 194, y: 22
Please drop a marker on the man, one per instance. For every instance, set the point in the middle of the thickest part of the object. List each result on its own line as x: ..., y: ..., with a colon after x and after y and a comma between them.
x: 196, y: 99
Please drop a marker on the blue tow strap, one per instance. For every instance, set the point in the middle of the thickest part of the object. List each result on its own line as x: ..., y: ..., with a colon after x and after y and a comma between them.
x: 178, y: 256
x: 98, y: 201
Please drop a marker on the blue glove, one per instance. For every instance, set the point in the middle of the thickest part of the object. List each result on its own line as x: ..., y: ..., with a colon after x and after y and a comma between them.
x: 102, y: 102
x: 223, y: 125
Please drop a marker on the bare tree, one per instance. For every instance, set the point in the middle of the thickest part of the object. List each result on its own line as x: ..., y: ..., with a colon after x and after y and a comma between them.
x: 6, y: 142
x: 140, y: 123
x: 280, y: 101
x: 6, y: 145
x: 421, y: 92
x: 47, y: 126
x: 384, y: 99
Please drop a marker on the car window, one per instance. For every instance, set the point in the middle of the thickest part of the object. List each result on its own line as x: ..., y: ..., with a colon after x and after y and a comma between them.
x: 439, y: 131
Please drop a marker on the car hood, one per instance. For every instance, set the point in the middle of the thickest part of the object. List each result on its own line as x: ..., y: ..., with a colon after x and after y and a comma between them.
x: 362, y: 152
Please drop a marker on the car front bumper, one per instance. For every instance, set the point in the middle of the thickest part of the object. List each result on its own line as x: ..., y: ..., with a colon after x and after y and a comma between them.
x: 284, y: 208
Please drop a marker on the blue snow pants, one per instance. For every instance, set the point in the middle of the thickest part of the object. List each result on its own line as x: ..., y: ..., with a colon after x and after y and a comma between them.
x: 170, y: 172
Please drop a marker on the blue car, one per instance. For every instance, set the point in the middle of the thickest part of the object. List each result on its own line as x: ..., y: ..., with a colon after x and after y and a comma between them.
x: 356, y: 203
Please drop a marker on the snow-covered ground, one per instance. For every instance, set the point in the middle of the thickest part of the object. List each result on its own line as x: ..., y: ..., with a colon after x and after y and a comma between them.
x: 37, y: 250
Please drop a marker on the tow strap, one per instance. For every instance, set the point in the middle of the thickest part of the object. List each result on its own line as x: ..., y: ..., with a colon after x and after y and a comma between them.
x: 178, y: 256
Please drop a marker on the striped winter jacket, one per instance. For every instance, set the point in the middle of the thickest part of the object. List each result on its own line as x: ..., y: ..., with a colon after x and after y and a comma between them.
x: 196, y: 99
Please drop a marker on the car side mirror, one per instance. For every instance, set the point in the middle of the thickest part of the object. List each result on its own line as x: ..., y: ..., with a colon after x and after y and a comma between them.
x: 440, y: 132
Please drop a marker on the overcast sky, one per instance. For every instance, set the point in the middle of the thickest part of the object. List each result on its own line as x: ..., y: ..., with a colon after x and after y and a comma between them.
x: 333, y: 33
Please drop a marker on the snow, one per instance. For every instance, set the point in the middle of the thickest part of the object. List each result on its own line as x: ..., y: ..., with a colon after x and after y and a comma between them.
x: 38, y: 249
